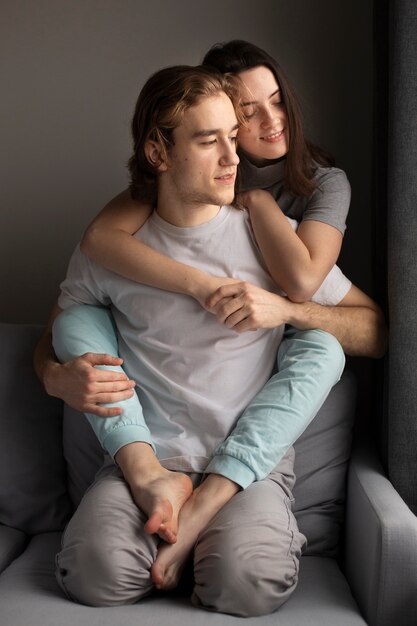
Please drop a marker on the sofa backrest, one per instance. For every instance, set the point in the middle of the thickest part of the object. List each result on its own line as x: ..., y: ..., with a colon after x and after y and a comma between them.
x: 33, y: 492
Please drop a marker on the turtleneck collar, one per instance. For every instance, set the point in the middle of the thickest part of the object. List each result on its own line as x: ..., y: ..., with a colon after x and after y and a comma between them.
x: 254, y: 177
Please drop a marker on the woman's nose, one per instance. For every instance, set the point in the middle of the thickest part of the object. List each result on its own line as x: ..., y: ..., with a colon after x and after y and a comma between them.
x: 269, y: 116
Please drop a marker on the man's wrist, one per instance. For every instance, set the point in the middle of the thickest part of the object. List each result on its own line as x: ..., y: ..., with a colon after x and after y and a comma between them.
x: 49, y: 377
x: 299, y: 315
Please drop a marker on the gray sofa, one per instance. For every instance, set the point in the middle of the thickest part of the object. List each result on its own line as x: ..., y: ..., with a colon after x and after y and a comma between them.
x: 360, y: 566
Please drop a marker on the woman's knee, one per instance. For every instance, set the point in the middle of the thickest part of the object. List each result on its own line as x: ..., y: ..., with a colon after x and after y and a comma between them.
x: 329, y: 348
x: 81, y: 329
x: 316, y: 346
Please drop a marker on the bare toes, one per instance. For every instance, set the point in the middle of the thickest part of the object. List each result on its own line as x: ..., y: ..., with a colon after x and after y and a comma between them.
x: 164, y: 578
x: 157, y: 575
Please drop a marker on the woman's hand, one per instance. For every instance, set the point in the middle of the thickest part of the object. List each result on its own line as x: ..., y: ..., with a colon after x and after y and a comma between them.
x: 242, y: 306
x: 208, y: 285
x: 253, y: 199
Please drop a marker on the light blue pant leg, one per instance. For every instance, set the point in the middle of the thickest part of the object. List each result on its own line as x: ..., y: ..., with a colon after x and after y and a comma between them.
x: 309, y: 364
x: 81, y: 329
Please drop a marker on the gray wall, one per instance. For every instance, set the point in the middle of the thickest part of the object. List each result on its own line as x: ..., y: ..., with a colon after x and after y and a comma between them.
x: 70, y: 73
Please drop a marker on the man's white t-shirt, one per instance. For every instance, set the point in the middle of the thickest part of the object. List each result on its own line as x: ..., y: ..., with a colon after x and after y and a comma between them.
x: 195, y: 376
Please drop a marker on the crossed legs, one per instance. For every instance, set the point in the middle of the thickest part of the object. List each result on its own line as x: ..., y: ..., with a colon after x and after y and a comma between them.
x: 245, y: 560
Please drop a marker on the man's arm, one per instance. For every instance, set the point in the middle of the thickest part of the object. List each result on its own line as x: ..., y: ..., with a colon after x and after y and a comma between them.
x: 357, y: 322
x: 360, y: 328
x: 79, y: 383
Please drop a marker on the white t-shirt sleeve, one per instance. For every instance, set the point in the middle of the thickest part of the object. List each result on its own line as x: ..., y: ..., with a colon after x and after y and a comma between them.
x: 333, y: 288
x: 82, y: 284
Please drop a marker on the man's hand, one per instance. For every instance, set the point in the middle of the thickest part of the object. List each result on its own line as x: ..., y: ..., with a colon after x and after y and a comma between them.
x: 83, y: 386
x: 243, y: 306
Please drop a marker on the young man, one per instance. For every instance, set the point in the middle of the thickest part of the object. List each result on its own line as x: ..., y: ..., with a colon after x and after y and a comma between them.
x: 196, y: 377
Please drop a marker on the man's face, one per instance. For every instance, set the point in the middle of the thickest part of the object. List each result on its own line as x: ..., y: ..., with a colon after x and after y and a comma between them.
x: 202, y: 163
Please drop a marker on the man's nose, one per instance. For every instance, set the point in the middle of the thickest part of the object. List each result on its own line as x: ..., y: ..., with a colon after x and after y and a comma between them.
x: 229, y: 156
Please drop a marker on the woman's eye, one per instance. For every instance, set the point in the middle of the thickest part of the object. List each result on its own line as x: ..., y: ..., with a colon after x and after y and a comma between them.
x: 249, y: 111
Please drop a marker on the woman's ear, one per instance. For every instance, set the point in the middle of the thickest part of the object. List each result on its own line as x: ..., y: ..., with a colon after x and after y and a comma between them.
x: 154, y: 155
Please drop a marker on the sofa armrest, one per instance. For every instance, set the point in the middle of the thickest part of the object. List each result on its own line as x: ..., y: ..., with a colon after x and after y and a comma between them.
x: 381, y: 545
x: 12, y: 543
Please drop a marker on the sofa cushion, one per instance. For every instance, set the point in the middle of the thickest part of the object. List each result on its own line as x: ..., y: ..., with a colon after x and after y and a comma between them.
x: 33, y: 494
x: 29, y: 594
x: 12, y: 543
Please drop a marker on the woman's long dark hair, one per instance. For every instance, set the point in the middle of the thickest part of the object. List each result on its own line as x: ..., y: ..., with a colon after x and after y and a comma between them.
x: 237, y: 56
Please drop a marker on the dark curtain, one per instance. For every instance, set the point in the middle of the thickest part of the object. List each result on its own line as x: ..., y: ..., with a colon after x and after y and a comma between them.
x: 397, y: 178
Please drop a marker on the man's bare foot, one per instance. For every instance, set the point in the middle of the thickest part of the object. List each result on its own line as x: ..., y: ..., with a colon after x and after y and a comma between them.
x: 194, y: 516
x: 158, y: 492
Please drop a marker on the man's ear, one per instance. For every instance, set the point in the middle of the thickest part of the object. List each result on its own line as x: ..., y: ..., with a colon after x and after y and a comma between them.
x: 154, y: 155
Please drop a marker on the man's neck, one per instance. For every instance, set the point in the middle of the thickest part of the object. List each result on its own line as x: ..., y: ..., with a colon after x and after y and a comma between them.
x: 186, y: 215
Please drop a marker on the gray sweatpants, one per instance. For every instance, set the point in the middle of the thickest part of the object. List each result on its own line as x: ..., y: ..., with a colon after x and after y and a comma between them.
x: 245, y: 561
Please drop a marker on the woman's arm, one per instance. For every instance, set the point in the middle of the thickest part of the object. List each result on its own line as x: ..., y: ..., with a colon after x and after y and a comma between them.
x: 298, y: 262
x: 108, y: 241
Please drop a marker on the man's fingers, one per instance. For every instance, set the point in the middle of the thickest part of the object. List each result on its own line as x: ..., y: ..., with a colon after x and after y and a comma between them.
x: 228, y: 308
x: 102, y: 359
x: 91, y: 388
x: 106, y: 398
x: 97, y: 394
x: 235, y: 318
x: 103, y: 380
x: 245, y: 325
x: 99, y: 399
x: 102, y: 411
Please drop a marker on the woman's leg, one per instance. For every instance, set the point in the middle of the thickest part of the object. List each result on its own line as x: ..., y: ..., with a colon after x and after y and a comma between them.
x: 309, y: 364
x: 81, y: 329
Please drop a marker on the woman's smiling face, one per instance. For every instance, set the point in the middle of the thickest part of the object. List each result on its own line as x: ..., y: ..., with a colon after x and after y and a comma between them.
x: 265, y: 135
